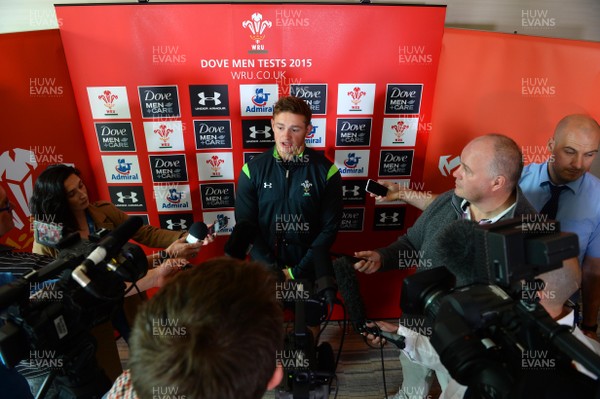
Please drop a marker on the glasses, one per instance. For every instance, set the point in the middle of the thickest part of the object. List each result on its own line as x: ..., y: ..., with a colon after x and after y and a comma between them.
x: 8, y: 207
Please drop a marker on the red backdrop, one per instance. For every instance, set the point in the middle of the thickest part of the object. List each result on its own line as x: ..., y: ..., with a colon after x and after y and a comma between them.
x: 487, y: 82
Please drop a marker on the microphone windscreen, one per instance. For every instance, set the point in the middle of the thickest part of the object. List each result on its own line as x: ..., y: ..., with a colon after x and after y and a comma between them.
x: 197, y: 232
x: 349, y: 289
x: 458, y: 246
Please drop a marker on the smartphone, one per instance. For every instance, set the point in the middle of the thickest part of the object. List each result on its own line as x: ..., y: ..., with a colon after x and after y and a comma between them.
x: 375, y: 188
x: 214, y: 228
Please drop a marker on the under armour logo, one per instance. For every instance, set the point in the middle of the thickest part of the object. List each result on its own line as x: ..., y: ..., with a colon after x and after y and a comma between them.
x: 354, y: 191
x: 267, y: 185
x: 446, y: 165
x: 384, y: 217
x: 256, y: 132
x: 123, y: 197
x: 182, y: 224
x: 214, y: 98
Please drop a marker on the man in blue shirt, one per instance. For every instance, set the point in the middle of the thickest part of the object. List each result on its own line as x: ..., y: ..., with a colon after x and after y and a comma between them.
x: 573, y: 147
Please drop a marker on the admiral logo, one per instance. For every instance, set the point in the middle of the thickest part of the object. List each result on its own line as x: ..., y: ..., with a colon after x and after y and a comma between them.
x: 159, y: 101
x: 212, y: 134
x: 166, y: 168
x: 399, y: 132
x: 446, y: 164
x: 164, y: 136
x: 257, y: 27
x: 389, y: 218
x: 215, y: 166
x: 115, y: 136
x: 353, y: 163
x: 44, y: 87
x: 353, y: 191
x: 168, y: 54
x: 217, y: 195
x: 291, y: 18
x: 353, y: 132
x: 403, y: 98
x: 352, y: 219
x: 128, y: 198
x: 414, y: 55
x: 396, y: 163
x: 180, y: 221
x: 172, y: 197
x: 209, y: 100
x: 314, y: 95
x: 316, y: 137
x: 258, y: 100
x: 257, y: 133
x: 109, y: 102
x: 120, y: 169
x: 226, y: 220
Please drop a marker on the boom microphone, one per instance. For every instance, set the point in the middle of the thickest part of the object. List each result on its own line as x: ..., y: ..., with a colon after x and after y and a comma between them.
x: 241, y: 239
x: 108, y: 247
x: 457, y: 243
x: 349, y: 290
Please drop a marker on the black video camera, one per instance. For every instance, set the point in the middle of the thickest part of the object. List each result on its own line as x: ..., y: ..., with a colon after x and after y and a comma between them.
x: 48, y: 316
x: 491, y: 333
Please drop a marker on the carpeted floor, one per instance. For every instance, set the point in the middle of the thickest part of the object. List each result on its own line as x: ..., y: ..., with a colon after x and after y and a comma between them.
x: 359, y: 372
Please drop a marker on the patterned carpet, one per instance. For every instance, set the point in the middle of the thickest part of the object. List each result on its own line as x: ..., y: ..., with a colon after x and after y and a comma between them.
x: 359, y: 373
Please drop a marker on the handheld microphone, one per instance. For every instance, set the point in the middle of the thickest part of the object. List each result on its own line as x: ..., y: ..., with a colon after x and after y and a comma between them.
x: 350, y: 291
x: 198, y: 232
x: 241, y: 239
x: 108, y: 247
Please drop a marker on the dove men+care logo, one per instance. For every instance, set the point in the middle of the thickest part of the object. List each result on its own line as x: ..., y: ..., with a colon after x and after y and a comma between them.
x: 403, y: 98
x: 159, y: 101
x: 166, y: 168
x: 353, y: 132
x: 212, y: 134
x: 115, y: 136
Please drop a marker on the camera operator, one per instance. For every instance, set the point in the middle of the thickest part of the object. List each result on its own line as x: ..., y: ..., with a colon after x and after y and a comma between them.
x: 16, y: 264
x: 212, y: 332
x: 486, y: 191
x: 560, y: 284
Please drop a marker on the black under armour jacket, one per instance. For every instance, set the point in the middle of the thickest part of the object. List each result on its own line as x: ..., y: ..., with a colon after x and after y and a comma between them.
x: 296, y: 205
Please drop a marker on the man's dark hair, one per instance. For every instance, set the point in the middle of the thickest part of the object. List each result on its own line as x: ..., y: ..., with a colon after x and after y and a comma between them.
x: 294, y: 105
x: 210, y: 332
x: 49, y: 197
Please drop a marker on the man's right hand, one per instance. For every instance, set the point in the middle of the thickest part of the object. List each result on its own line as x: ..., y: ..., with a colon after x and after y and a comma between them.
x: 371, y: 262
